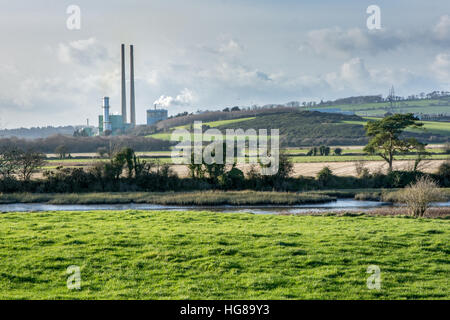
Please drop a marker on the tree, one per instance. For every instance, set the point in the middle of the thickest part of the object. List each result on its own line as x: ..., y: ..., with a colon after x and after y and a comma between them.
x: 61, y: 150
x: 385, y: 139
x: 29, y: 162
x: 324, y: 176
x: 338, y: 151
x: 126, y: 158
x: 9, y: 163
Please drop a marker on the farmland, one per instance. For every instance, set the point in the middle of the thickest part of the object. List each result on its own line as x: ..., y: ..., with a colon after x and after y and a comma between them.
x: 303, y: 164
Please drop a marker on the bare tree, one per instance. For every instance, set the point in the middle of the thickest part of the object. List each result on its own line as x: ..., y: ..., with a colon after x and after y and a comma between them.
x: 29, y: 162
x: 419, y: 195
x: 360, y: 168
x: 9, y: 163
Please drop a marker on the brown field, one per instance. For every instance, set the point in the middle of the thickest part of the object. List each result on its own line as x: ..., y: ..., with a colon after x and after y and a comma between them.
x: 338, y: 168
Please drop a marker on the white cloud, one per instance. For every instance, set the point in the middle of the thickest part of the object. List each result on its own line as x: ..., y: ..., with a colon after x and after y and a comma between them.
x: 84, y: 52
x: 441, y: 67
x: 231, y: 47
x: 353, y: 74
x: 442, y: 28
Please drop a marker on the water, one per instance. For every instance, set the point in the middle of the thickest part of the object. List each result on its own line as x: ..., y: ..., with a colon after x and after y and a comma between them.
x: 335, y: 206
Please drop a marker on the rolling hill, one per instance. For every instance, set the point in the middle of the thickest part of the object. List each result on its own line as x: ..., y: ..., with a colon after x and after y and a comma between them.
x: 312, y: 128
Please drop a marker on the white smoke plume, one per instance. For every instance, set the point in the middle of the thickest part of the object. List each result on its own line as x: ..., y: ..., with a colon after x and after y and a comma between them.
x: 185, y: 98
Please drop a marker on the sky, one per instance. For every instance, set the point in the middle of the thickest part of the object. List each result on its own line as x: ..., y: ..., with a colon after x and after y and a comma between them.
x: 211, y: 54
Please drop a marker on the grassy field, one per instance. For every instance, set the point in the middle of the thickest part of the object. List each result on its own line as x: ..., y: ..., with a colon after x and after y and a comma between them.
x: 432, y: 106
x: 345, y: 158
x: 435, y: 127
x: 204, y: 255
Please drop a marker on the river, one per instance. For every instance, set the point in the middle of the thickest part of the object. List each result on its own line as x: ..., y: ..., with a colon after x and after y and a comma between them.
x: 334, y: 206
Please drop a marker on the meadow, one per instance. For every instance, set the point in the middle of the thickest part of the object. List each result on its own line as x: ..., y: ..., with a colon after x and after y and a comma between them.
x: 428, y: 106
x: 205, y: 255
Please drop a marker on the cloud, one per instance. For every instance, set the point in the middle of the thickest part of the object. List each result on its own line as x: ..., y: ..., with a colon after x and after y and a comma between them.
x: 441, y: 67
x: 231, y: 47
x: 85, y: 52
x: 354, y: 77
x: 226, y: 47
x: 185, y: 98
x: 332, y: 41
x: 442, y: 28
x: 353, y: 74
x: 347, y: 42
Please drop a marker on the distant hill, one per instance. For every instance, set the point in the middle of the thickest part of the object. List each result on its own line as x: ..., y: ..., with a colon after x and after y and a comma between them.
x: 302, y: 128
x: 37, y: 132
x: 209, y: 116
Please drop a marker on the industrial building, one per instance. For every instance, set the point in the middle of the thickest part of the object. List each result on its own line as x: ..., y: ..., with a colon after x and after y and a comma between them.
x: 110, y: 124
x: 156, y: 115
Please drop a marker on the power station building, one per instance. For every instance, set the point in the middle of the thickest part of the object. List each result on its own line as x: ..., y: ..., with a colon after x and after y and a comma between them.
x: 110, y: 124
x: 156, y: 115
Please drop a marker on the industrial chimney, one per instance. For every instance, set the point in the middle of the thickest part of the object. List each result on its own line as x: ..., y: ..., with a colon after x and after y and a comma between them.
x: 106, y: 120
x: 132, y: 106
x: 124, y: 92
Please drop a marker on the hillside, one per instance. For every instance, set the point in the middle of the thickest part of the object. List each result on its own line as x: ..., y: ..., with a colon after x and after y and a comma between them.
x: 420, y: 107
x: 310, y: 128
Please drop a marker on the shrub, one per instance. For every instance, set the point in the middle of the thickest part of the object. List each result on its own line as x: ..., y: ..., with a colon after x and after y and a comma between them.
x: 447, y: 148
x: 338, y: 151
x: 419, y: 195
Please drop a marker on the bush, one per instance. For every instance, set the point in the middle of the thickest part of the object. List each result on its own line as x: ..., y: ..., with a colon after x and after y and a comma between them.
x: 325, y: 176
x: 419, y: 195
x: 447, y: 148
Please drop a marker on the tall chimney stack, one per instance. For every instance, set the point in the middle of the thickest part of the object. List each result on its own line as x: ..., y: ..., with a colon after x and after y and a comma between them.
x: 132, y: 106
x: 106, y: 119
x: 124, y: 91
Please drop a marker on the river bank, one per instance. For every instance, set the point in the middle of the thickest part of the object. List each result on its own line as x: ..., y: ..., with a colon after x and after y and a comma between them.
x: 198, y: 198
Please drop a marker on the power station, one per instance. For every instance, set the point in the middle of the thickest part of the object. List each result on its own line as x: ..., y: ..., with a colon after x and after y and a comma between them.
x: 115, y: 124
x: 156, y: 115
x: 111, y: 124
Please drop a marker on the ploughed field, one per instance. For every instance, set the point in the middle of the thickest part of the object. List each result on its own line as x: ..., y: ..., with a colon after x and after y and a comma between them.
x: 205, y: 255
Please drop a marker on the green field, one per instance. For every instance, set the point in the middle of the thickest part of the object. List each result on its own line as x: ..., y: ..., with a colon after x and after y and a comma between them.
x: 204, y: 255
x: 345, y: 158
x: 219, y: 123
x: 433, y: 106
x: 435, y: 127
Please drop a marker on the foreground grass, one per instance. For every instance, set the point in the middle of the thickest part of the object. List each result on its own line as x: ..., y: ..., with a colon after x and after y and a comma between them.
x: 213, y: 197
x: 203, y: 255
